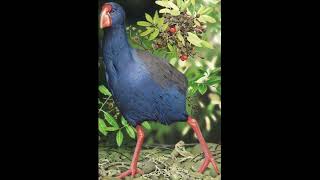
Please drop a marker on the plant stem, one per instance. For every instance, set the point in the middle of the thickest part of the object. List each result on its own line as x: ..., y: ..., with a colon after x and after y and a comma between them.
x: 103, y: 104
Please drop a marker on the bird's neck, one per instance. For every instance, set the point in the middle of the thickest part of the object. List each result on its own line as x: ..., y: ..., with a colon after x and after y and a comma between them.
x: 115, y: 42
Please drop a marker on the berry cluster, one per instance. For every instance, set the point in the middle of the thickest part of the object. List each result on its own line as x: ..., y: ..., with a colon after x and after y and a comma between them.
x: 177, y: 34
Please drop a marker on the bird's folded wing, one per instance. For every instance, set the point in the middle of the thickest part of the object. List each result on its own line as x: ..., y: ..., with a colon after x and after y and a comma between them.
x: 162, y: 72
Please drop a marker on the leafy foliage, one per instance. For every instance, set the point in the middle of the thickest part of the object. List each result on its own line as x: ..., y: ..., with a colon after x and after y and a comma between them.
x: 178, y: 27
x: 115, y: 123
x: 153, y: 26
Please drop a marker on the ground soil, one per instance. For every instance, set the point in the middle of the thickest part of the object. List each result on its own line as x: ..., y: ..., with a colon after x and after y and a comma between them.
x: 180, y: 161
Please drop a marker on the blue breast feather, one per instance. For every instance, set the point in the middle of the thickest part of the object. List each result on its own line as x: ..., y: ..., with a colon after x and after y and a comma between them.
x: 147, y: 88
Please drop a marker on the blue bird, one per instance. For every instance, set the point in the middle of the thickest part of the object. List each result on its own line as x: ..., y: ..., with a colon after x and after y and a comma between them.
x: 144, y: 87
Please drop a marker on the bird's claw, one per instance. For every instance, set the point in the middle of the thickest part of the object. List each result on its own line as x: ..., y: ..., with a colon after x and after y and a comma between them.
x: 209, y: 159
x: 132, y: 171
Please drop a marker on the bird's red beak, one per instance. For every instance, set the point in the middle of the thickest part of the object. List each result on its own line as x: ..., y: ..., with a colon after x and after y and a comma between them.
x: 105, y: 18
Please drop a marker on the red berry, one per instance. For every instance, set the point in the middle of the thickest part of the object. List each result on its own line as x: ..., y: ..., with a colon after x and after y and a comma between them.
x: 173, y: 29
x: 184, y: 57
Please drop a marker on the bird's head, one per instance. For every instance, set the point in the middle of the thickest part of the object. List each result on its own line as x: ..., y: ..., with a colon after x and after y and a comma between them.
x: 112, y: 14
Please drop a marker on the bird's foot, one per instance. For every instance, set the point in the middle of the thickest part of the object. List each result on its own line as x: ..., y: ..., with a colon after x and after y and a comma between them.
x: 132, y: 171
x: 208, y: 160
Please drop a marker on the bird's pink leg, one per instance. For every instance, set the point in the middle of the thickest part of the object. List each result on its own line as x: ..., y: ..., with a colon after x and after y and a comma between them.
x: 207, y: 154
x: 133, y: 167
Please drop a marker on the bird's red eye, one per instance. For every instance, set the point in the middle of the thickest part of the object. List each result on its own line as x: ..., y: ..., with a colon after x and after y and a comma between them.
x: 107, y: 7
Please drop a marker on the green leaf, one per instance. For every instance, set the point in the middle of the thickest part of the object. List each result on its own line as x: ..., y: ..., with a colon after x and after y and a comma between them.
x: 179, y: 3
x: 165, y: 27
x: 154, y: 34
x: 149, y: 18
x: 214, y: 80
x: 102, y: 126
x: 193, y: 2
x: 165, y: 11
x: 200, y: 19
x: 189, y: 12
x: 143, y: 23
x: 104, y: 90
x: 192, y: 90
x: 206, y: 44
x: 112, y: 129
x: 202, y: 88
x: 156, y: 18
x: 172, y: 12
x: 148, y: 31
x: 175, y: 12
x: 207, y: 10
x: 185, y: 5
x: 194, y: 39
x: 111, y: 120
x: 124, y: 121
x: 167, y: 4
x: 163, y: 3
x: 146, y: 125
x: 173, y: 6
x: 202, y: 71
x: 201, y: 9
x: 131, y: 132
x: 160, y: 22
x: 180, y: 37
x: 215, y: 71
x: 173, y: 60
x: 119, y: 138
x: 219, y: 90
x: 170, y: 47
x: 207, y: 18
x: 197, y: 22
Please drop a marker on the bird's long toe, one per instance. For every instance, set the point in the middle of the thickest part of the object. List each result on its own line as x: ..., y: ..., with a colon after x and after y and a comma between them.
x: 208, y: 160
x: 204, y: 165
x: 131, y: 172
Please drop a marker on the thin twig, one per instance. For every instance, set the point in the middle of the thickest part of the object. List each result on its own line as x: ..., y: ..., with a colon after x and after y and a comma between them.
x: 104, y: 104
